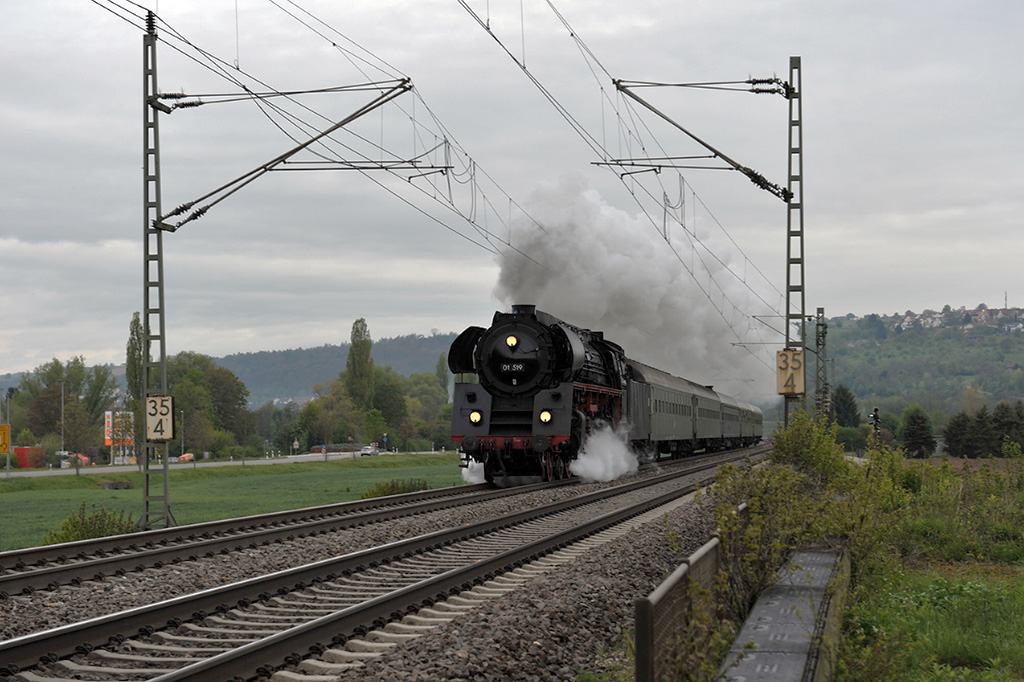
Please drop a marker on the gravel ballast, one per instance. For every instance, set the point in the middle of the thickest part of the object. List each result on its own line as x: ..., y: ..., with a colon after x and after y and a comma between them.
x: 548, y: 629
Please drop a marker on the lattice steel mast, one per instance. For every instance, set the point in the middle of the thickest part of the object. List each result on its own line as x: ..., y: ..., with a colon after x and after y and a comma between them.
x: 796, y: 299
x: 156, y: 488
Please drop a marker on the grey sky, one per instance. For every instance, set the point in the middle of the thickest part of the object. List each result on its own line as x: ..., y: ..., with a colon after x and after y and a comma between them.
x: 914, y: 164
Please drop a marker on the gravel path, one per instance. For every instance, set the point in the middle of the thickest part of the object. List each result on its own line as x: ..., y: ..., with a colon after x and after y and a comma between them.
x: 546, y: 630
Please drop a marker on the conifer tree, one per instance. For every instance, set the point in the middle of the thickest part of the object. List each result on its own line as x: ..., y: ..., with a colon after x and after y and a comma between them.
x: 956, y: 434
x: 918, y: 439
x: 845, y: 403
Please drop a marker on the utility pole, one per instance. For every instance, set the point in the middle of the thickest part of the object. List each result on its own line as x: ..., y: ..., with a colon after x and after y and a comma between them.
x: 792, y: 368
x: 156, y: 502
x: 159, y: 405
x: 796, y: 304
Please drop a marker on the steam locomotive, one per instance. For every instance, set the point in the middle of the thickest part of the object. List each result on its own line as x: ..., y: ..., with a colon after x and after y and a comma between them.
x: 530, y: 388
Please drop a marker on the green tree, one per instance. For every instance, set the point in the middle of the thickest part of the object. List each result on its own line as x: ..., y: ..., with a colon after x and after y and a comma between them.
x: 95, y: 387
x: 1004, y: 422
x: 845, y: 404
x: 956, y: 434
x: 79, y: 434
x: 135, y: 361
x: 44, y: 412
x: 213, y: 400
x: 916, y: 429
x: 316, y: 423
x: 389, y: 396
x: 135, y: 374
x: 981, y: 440
x: 359, y: 366
x: 425, y: 395
x: 374, y: 426
x: 442, y: 373
x: 99, y: 394
x: 875, y: 326
x: 229, y: 396
x: 192, y: 399
x: 26, y: 439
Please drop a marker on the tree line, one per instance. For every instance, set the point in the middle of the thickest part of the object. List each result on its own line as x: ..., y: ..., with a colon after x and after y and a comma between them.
x: 977, y: 433
x: 61, y: 406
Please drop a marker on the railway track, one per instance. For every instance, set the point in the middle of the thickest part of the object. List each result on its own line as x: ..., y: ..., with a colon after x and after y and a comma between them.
x: 47, y: 567
x: 256, y: 626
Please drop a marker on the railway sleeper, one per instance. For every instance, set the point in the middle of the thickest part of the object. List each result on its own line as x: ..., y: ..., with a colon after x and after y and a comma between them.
x: 102, y: 655
x: 258, y: 614
x: 201, y: 639
x: 491, y: 590
x: 132, y: 645
x: 446, y: 608
x: 96, y: 670
x: 390, y: 637
x: 289, y: 676
x: 247, y: 625
x: 319, y: 667
x: 32, y: 676
x: 289, y: 607
x: 239, y: 631
x: 346, y: 656
x: 369, y: 646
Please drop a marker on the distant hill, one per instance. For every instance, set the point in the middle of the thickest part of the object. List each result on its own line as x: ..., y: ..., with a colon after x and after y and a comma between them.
x: 291, y: 374
x: 944, y: 361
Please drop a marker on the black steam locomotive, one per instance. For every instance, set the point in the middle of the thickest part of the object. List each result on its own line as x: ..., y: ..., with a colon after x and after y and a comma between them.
x: 529, y: 389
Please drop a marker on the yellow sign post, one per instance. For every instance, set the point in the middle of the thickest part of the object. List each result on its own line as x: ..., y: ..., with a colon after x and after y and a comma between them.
x: 159, y: 418
x: 790, y: 365
x: 5, y: 439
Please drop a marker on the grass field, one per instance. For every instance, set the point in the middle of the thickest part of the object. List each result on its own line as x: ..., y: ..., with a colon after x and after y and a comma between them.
x: 29, y: 507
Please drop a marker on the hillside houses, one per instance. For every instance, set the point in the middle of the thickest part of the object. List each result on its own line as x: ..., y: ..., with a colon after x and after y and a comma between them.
x: 1009, y: 319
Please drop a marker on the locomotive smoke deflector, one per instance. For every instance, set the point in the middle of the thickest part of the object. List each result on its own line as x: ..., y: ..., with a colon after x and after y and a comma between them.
x: 460, y: 355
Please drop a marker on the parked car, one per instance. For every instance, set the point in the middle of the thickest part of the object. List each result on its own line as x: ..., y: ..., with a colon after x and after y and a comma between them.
x: 369, y: 450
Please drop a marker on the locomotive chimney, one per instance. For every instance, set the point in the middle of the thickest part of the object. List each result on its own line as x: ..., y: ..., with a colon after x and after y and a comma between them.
x: 524, y: 310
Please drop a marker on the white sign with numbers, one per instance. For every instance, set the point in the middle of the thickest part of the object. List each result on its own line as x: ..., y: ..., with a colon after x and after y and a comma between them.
x: 159, y: 417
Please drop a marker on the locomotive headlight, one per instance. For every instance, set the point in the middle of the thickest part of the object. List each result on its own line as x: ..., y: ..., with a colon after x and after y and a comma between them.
x: 511, y: 341
x: 476, y: 416
x: 545, y: 416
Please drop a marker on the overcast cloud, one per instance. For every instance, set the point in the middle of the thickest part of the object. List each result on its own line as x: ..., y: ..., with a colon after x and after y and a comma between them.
x: 914, y: 168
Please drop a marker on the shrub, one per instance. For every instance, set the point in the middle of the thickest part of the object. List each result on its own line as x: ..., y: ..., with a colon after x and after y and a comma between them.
x: 84, y: 525
x: 810, y: 446
x: 851, y: 438
x: 395, y: 488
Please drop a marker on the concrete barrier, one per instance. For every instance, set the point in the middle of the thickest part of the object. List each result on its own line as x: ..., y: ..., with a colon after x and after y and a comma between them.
x: 789, y: 636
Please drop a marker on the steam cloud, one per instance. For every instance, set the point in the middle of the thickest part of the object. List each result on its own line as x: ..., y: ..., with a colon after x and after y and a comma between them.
x: 474, y: 473
x: 605, y: 455
x: 602, y: 269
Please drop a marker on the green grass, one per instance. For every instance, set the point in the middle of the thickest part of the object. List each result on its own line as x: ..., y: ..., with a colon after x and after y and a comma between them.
x: 950, y: 606
x: 29, y: 507
x: 960, y: 621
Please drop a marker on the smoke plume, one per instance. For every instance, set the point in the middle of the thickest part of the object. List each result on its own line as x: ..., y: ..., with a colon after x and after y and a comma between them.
x: 602, y: 269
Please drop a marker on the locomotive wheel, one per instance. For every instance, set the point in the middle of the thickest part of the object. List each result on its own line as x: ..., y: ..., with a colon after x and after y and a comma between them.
x: 547, y: 471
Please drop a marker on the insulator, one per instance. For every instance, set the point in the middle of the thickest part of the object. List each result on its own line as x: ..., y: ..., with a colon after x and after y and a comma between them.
x: 150, y: 23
